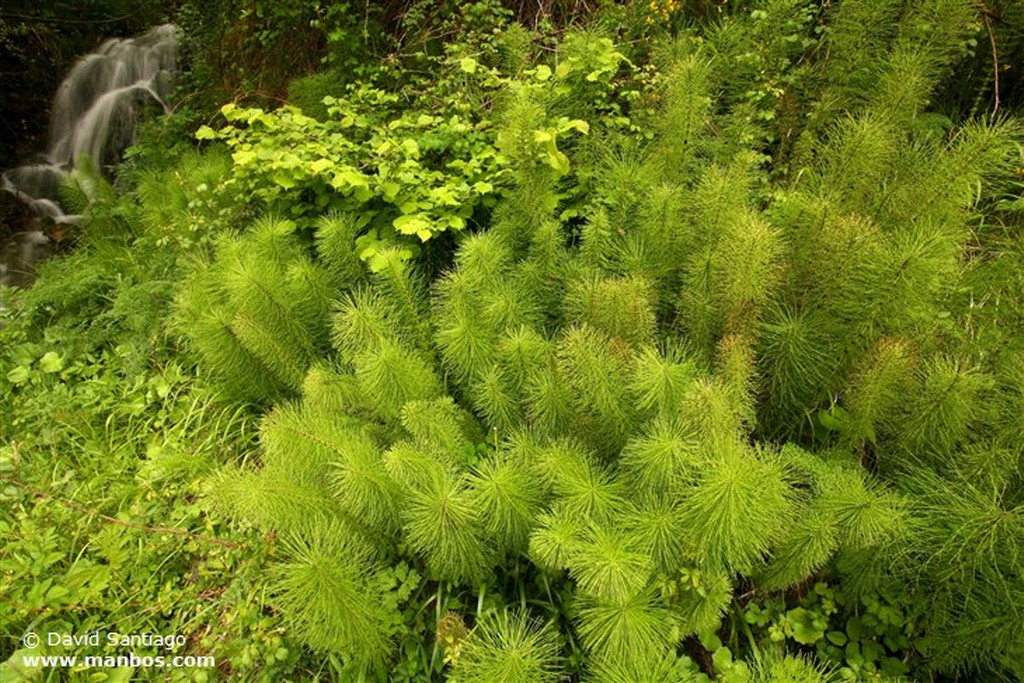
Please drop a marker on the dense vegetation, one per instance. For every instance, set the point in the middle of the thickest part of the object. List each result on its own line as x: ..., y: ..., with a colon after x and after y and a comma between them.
x: 667, y: 341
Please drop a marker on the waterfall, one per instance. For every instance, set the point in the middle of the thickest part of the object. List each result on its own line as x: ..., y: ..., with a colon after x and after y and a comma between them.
x: 94, y: 114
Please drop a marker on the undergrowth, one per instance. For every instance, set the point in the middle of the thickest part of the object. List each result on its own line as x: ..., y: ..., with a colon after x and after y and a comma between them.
x: 657, y: 350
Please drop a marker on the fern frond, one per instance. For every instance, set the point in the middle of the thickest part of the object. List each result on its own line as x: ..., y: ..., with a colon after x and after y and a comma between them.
x: 555, y: 539
x: 659, y: 380
x: 622, y: 308
x: 508, y: 647
x: 364, y: 320
x: 656, y: 525
x: 578, y: 482
x: 442, y: 524
x: 609, y: 564
x: 335, y: 242
x: 738, y: 509
x: 666, y: 455
x: 326, y: 592
x: 595, y: 367
x: 389, y: 376
x: 634, y: 629
x: 506, y: 493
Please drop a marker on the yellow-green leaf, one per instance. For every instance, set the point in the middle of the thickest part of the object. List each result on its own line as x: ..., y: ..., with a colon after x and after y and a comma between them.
x: 321, y: 165
x: 18, y: 375
x: 51, y: 362
x: 412, y: 224
x: 243, y: 157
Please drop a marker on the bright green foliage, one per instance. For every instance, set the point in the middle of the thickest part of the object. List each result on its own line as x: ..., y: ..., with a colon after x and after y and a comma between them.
x: 627, y: 629
x: 258, y: 313
x: 509, y: 648
x: 773, y: 668
x: 335, y: 605
x: 710, y: 349
x: 609, y: 408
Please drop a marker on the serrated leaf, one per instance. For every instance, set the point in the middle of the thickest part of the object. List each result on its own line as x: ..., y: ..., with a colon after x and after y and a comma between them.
x: 411, y: 148
x: 321, y: 165
x: 285, y: 180
x: 243, y: 157
x: 411, y: 224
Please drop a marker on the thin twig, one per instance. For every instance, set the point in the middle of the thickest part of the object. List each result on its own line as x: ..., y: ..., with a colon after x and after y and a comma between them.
x: 995, y: 59
x: 39, y: 493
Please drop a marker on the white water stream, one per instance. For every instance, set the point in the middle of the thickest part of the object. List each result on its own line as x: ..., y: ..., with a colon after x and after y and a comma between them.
x: 94, y: 114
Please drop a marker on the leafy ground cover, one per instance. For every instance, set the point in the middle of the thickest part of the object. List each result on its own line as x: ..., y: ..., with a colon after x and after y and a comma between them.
x: 682, y: 345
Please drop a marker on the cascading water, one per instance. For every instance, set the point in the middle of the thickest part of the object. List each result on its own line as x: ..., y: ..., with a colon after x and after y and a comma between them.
x: 94, y: 114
